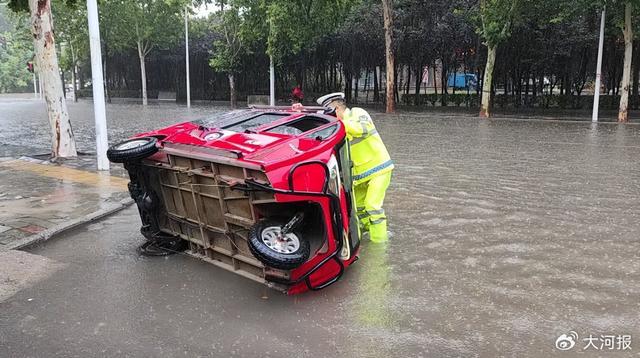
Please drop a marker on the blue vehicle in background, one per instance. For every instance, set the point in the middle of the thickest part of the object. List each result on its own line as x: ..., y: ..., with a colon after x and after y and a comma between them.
x: 464, y: 81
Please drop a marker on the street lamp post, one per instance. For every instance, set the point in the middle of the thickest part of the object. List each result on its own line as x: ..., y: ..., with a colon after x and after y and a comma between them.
x: 272, y: 69
x: 272, y: 82
x: 97, y: 82
x: 596, y: 90
x: 35, y: 85
x: 186, y: 47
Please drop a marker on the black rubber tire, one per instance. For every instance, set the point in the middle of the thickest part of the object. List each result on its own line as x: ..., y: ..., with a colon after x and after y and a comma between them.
x: 132, y: 154
x: 272, y: 258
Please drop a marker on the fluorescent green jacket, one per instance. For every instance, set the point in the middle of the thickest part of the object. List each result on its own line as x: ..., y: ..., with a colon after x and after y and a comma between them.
x: 368, y: 153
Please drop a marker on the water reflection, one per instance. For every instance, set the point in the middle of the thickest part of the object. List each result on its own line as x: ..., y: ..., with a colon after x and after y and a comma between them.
x: 372, y: 309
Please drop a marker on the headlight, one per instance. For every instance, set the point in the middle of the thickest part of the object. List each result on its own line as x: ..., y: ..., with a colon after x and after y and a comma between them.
x: 334, y: 176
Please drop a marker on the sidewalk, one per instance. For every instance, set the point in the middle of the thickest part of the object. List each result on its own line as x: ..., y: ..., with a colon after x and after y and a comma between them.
x: 39, y: 199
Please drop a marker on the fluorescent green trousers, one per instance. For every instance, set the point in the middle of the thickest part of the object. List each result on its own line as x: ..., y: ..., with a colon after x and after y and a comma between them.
x: 369, y: 199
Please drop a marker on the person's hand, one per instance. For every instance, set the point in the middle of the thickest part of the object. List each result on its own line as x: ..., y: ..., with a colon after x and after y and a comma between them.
x: 298, y: 107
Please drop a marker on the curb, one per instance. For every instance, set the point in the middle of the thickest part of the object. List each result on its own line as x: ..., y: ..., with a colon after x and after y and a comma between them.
x: 58, y: 229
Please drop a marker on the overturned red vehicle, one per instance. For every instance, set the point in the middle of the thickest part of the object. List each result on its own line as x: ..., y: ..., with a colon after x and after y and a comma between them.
x: 265, y: 193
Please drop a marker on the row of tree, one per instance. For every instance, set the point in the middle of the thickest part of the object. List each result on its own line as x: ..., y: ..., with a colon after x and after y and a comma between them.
x: 515, y: 46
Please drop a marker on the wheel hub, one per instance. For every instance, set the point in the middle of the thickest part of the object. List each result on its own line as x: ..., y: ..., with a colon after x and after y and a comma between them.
x: 272, y: 237
x: 132, y: 144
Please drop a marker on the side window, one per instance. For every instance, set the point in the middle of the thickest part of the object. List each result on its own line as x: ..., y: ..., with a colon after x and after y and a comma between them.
x: 323, y: 133
x: 299, y: 126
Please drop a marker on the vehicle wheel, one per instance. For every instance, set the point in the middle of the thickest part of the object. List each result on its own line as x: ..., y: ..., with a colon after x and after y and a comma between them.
x: 282, y: 253
x: 132, y: 149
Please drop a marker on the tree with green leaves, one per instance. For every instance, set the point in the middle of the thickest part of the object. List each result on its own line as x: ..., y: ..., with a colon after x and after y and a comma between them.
x: 230, y: 47
x: 293, y: 30
x: 16, y: 49
x: 497, y: 19
x: 295, y: 26
x: 72, y: 31
x: 63, y: 142
x: 15, y: 52
x: 144, y: 25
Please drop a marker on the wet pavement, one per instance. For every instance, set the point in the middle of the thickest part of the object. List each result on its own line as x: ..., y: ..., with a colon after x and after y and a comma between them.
x: 505, y: 235
x: 39, y: 198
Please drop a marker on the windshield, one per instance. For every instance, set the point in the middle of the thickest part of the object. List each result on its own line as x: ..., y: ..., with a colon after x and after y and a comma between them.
x: 239, y: 121
x: 253, y: 122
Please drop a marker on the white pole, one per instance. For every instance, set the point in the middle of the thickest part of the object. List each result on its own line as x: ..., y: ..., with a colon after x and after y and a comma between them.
x: 596, y: 90
x: 40, y: 96
x: 35, y: 85
x: 272, y: 82
x: 186, y: 49
x: 97, y: 82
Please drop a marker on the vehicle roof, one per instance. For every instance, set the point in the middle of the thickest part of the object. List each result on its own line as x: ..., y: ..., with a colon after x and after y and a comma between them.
x: 277, y: 136
x: 273, y: 116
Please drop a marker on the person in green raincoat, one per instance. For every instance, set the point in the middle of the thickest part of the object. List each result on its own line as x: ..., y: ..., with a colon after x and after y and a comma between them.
x: 372, y: 165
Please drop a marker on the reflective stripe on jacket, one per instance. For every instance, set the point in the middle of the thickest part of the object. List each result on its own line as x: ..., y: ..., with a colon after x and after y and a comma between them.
x: 368, y: 153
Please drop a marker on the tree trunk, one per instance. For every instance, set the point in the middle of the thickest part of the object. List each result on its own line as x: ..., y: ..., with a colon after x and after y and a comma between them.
x: 143, y: 73
x: 366, y: 87
x: 74, y: 70
x: 232, y: 91
x: 506, y: 83
x: 376, y: 88
x: 334, y: 76
x: 444, y: 84
x: 435, y: 81
x: 64, y: 85
x: 63, y: 143
x: 348, y: 84
x: 387, y: 9
x: 355, y: 90
x: 64, y: 89
x: 636, y: 77
x: 623, y: 112
x: 534, y: 91
x: 380, y: 77
x: 541, y: 84
x: 396, y: 84
x: 485, y: 109
x: 419, y: 73
x: 408, y: 80
x: 105, y: 54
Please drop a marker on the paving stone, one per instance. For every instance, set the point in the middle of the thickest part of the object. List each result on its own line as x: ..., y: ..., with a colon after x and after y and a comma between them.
x: 32, y: 229
x: 41, y: 222
x: 12, y: 235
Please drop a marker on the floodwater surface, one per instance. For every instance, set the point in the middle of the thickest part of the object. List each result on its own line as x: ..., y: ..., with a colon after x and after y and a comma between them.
x: 504, y: 235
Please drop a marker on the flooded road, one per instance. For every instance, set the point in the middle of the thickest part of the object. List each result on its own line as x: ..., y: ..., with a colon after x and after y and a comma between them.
x: 25, y: 128
x: 508, y: 233
x: 505, y: 235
